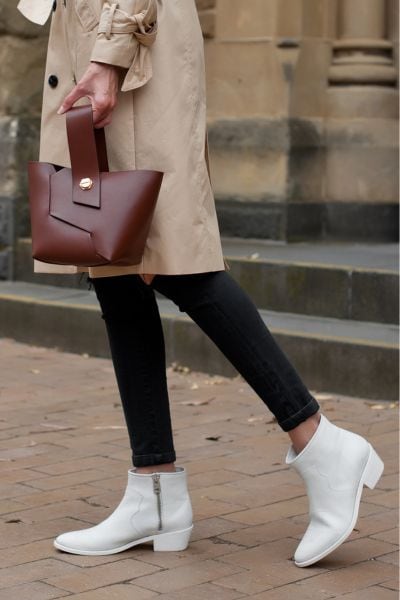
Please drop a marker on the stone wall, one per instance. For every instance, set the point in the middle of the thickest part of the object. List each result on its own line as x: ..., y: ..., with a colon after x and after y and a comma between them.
x: 303, y: 115
x: 22, y: 55
x: 207, y: 15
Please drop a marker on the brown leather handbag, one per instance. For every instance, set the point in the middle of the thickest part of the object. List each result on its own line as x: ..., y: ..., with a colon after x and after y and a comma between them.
x: 86, y: 215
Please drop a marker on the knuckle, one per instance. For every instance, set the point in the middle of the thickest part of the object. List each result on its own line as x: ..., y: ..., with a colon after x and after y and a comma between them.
x: 102, y: 106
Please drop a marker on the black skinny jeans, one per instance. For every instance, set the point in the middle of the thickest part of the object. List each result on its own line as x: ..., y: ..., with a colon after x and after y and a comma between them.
x: 225, y: 312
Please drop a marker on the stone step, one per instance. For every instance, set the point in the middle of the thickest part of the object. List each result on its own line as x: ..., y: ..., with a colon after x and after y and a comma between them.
x: 354, y: 358
x: 342, y: 281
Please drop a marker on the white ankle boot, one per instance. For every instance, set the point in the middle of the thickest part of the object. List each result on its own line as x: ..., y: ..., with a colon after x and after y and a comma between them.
x: 335, y: 464
x: 155, y: 507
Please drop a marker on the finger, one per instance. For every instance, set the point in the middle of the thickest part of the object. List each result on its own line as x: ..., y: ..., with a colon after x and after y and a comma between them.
x: 102, y: 110
x: 101, y: 118
x: 100, y: 113
x: 102, y: 122
x: 75, y: 94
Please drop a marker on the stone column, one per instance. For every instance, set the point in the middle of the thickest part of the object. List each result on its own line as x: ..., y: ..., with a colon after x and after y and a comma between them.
x: 247, y: 108
x: 361, y: 121
x: 362, y: 54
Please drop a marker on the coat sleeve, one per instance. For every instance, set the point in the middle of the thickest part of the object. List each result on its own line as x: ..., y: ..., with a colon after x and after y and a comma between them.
x: 126, y: 31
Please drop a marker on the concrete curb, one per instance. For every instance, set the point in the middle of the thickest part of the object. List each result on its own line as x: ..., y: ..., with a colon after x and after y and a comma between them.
x: 355, y: 359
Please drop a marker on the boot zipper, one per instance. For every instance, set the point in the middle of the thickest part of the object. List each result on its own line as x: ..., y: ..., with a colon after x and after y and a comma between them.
x: 157, y: 491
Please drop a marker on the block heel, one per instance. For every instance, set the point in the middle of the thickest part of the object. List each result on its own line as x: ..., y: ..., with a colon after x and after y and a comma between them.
x: 373, y: 469
x: 173, y: 541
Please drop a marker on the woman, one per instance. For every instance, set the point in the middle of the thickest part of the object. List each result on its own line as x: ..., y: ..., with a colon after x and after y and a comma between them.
x: 141, y: 65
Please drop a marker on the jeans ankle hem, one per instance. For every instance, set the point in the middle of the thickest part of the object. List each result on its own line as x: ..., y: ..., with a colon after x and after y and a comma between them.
x: 306, y: 411
x: 158, y: 458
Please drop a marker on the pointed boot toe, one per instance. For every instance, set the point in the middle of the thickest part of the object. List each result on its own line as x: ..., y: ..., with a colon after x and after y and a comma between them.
x: 335, y: 465
x: 77, y: 542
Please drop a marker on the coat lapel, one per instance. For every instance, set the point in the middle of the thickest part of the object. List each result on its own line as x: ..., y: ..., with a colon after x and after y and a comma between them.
x: 37, y: 11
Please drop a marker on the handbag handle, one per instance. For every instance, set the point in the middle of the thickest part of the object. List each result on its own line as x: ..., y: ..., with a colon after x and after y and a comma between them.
x: 88, y: 155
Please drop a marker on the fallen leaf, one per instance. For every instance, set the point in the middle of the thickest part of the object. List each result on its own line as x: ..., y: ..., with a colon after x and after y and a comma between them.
x: 215, y: 381
x: 322, y: 396
x: 56, y: 426
x: 14, y: 521
x: 109, y: 427
x: 196, y: 402
x: 177, y: 367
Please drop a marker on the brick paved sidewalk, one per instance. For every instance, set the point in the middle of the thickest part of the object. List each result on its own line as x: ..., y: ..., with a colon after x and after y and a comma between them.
x: 64, y: 455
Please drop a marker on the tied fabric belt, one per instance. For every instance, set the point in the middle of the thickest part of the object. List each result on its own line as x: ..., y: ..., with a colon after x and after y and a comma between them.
x: 141, y: 26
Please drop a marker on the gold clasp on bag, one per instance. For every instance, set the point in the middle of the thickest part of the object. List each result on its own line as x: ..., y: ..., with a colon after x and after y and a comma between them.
x: 86, y: 183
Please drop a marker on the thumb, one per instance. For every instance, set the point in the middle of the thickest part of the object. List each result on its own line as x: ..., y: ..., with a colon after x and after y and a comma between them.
x: 75, y: 94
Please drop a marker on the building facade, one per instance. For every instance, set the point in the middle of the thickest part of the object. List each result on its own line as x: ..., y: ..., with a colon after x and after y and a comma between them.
x: 303, y: 113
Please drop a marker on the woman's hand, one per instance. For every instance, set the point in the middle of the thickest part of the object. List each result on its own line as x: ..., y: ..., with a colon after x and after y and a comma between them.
x: 100, y: 84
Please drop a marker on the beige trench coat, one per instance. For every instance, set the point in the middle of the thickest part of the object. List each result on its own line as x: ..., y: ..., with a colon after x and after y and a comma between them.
x: 159, y: 121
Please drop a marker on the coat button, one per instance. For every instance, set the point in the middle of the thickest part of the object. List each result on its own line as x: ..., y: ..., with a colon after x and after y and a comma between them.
x: 53, y: 81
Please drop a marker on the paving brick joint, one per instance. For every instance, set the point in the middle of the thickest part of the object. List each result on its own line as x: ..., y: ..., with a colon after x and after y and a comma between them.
x: 64, y: 455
